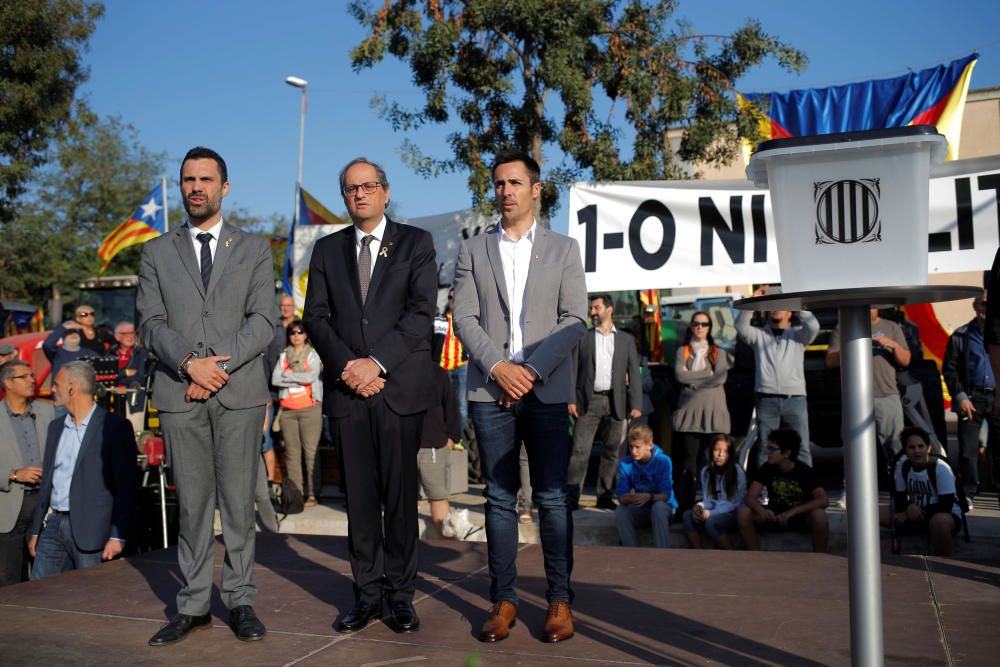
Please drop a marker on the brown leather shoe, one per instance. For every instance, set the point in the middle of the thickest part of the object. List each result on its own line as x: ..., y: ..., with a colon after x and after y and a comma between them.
x: 559, y: 624
x: 503, y: 616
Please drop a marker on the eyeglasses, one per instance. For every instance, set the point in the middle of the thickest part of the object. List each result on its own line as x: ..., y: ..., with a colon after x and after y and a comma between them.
x: 126, y: 333
x: 771, y: 450
x: 296, y: 332
x: 368, y: 188
x: 22, y: 376
x: 696, y: 323
x: 86, y: 313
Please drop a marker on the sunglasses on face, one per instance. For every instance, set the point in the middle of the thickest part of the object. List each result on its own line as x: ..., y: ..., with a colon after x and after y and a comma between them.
x: 701, y: 324
x: 296, y: 332
x: 86, y: 314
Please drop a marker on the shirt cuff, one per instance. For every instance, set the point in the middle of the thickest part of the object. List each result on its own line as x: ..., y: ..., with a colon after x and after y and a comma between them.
x: 379, y: 363
x: 538, y: 376
x: 489, y: 377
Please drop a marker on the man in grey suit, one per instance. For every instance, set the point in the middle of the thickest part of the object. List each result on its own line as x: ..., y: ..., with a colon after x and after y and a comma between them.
x: 606, y: 365
x: 206, y: 310
x: 520, y: 304
x: 23, y: 424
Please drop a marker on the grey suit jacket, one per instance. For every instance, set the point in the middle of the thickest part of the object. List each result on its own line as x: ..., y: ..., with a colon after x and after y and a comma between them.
x: 234, y: 316
x: 624, y: 373
x: 11, y: 493
x: 554, y: 313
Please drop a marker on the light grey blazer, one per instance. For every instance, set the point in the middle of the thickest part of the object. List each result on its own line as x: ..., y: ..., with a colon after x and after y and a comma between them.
x: 235, y: 316
x: 555, y: 312
x: 11, y: 493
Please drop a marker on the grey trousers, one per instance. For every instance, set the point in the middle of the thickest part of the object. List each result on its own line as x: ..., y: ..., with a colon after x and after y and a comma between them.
x: 215, y: 455
x: 597, y: 418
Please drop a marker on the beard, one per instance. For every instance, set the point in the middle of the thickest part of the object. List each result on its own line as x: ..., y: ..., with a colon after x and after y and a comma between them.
x: 202, y: 211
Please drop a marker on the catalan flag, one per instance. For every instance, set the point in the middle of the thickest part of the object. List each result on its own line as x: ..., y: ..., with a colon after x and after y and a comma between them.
x: 25, y: 321
x: 653, y: 321
x: 147, y: 222
x: 311, y: 212
x: 933, y: 96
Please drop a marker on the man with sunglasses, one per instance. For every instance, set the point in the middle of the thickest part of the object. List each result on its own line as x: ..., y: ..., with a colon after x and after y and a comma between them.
x: 369, y: 311
x: 23, y: 426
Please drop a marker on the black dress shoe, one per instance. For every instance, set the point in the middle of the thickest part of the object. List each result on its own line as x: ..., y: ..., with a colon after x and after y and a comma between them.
x: 404, y: 616
x: 605, y: 503
x: 360, y: 615
x: 178, y: 628
x: 245, y: 624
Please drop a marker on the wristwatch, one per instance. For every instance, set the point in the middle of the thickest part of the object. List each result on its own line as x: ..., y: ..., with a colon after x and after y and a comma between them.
x: 182, y: 367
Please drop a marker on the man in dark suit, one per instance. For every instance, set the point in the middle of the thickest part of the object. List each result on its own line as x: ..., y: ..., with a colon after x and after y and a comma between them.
x: 606, y: 365
x: 206, y: 310
x: 89, y: 480
x: 369, y: 310
x: 23, y: 425
x: 520, y: 304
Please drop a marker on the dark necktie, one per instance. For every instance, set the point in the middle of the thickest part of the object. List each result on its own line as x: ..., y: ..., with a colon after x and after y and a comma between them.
x: 365, y: 266
x: 206, y: 258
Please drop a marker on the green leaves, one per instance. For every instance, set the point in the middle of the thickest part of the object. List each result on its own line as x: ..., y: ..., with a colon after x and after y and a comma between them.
x: 620, y: 89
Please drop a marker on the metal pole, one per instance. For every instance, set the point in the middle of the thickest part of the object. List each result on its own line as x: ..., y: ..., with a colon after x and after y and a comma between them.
x: 302, y: 139
x: 163, y: 504
x: 863, y: 565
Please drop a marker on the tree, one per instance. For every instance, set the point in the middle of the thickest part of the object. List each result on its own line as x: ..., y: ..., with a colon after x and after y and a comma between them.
x: 571, y: 73
x: 40, y: 69
x: 97, y: 176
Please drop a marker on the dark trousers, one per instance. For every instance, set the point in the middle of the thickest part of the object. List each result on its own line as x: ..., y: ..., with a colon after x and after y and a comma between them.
x: 14, y: 545
x: 966, y: 460
x: 379, y: 453
x: 544, y: 429
x: 597, y: 420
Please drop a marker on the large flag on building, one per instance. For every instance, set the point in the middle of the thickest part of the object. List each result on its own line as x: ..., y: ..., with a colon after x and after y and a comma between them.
x: 933, y: 96
x: 147, y: 222
x: 311, y: 212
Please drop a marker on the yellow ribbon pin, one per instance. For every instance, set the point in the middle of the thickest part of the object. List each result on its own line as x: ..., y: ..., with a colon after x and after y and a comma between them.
x: 384, y: 252
x: 229, y: 241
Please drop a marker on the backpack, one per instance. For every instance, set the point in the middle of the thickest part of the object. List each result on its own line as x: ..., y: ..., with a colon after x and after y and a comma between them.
x: 287, y: 498
x: 960, y: 498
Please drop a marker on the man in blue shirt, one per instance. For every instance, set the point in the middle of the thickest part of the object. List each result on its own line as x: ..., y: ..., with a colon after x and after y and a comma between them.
x: 88, y: 480
x: 972, y: 385
x: 645, y: 489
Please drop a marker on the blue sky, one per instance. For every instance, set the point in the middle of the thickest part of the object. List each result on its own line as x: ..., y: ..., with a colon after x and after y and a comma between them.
x: 186, y: 73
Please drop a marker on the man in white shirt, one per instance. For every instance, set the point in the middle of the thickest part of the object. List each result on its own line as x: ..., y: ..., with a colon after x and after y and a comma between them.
x: 520, y: 304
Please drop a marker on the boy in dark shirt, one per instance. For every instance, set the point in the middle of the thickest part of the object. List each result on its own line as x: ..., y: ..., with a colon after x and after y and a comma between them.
x: 924, y: 494
x: 796, y: 499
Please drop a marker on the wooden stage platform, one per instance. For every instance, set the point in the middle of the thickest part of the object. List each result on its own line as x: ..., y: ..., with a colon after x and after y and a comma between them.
x: 633, y: 606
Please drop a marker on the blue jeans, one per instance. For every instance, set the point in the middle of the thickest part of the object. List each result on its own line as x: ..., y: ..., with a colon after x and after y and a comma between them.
x: 772, y: 411
x: 716, y: 526
x: 56, y: 551
x: 459, y: 382
x: 544, y: 429
x: 268, y: 438
x: 657, y: 514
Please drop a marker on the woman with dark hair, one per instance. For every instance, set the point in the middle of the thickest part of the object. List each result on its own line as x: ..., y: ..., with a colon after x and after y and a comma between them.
x: 300, y: 396
x: 723, y: 488
x: 701, y: 369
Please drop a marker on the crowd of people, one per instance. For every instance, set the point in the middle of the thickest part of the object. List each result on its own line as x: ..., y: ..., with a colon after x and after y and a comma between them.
x: 373, y: 366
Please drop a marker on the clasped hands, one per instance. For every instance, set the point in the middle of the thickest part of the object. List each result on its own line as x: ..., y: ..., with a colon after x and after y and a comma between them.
x: 515, y: 381
x: 206, y: 378
x: 362, y: 376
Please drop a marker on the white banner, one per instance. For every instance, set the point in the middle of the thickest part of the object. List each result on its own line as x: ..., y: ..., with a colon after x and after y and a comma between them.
x: 660, y: 234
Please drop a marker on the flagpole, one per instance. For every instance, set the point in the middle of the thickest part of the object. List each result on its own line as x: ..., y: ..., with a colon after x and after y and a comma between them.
x: 166, y: 216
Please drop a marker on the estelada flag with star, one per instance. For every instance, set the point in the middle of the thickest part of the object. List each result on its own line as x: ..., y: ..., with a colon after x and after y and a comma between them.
x: 148, y: 222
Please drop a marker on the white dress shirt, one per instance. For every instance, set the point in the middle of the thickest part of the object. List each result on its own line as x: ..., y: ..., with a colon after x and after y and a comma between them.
x: 215, y: 230
x: 604, y: 353
x: 374, y: 246
x: 515, y: 255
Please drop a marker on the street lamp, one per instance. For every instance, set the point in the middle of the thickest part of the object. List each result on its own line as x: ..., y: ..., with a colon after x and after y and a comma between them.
x: 296, y: 82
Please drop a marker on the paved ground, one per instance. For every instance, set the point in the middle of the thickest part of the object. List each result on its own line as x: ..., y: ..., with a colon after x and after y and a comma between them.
x: 633, y: 606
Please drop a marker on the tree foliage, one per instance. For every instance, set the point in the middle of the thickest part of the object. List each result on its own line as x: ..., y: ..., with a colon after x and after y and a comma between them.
x: 603, y: 80
x: 40, y: 69
x: 97, y: 176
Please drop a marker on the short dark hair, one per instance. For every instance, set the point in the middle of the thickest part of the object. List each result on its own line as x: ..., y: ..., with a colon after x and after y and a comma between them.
x: 503, y: 157
x: 8, y: 370
x: 379, y: 172
x: 911, y: 431
x: 787, y: 440
x: 202, y: 153
x: 606, y: 298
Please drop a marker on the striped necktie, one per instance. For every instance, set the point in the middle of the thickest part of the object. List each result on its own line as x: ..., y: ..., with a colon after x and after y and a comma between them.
x: 365, y: 266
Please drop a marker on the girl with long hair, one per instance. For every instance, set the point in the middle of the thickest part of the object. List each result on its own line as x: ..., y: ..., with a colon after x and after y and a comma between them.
x: 723, y: 488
